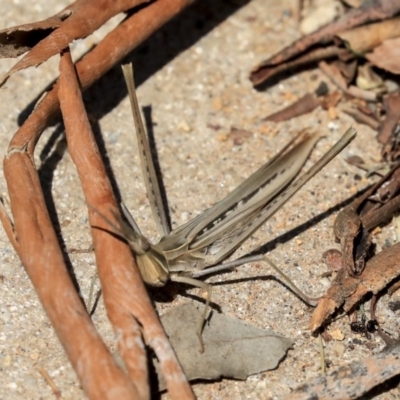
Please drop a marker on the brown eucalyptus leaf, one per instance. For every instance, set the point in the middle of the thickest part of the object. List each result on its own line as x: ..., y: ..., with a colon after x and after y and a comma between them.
x: 232, y: 348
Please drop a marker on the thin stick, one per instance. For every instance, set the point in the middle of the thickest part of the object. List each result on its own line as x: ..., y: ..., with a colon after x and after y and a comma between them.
x: 50, y: 382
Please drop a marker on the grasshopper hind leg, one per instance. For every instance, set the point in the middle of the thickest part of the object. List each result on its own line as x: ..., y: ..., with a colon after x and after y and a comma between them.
x: 259, y: 258
x: 202, y: 285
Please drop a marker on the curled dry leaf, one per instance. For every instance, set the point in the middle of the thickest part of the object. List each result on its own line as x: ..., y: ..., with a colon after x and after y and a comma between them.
x: 267, y: 72
x: 353, y: 239
x: 347, y: 291
x: 232, y: 348
x: 351, y: 234
x: 352, y: 381
x: 368, y: 79
x: 389, y: 189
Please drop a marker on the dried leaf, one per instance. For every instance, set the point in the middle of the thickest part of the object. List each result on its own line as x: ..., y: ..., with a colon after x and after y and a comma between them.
x: 348, y: 291
x: 387, y: 56
x: 263, y: 73
x: 388, y: 189
x: 233, y: 349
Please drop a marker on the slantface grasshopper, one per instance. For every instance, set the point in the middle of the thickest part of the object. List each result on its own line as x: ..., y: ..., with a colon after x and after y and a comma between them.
x: 198, y: 247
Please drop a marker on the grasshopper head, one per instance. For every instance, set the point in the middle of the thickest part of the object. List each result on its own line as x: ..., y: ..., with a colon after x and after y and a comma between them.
x: 151, y: 260
x: 153, y: 267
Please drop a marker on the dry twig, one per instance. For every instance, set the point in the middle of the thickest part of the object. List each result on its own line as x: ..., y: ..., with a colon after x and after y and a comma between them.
x: 116, y: 267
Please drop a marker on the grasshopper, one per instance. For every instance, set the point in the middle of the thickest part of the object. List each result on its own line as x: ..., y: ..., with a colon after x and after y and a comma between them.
x: 198, y: 247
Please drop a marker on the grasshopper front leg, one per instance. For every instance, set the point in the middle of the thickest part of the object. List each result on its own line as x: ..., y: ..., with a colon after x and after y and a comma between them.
x: 202, y: 285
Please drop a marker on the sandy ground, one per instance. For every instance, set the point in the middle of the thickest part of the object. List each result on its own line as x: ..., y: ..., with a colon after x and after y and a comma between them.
x: 194, y: 75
